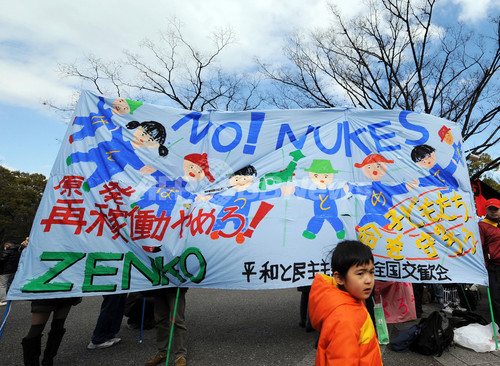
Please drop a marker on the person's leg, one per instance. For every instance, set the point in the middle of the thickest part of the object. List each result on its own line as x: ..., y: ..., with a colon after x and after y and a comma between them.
x: 494, y: 286
x: 4, y: 279
x: 180, y: 328
x: 162, y: 319
x: 418, y: 291
x: 110, y: 318
x: 32, y: 342
x: 55, y: 335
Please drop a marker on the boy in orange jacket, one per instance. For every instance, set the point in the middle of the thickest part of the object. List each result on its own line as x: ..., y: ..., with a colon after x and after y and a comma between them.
x: 337, y: 310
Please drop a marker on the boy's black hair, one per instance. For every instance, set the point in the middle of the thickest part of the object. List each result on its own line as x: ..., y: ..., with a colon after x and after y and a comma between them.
x: 248, y: 170
x: 350, y: 253
x: 156, y: 130
x: 420, y: 152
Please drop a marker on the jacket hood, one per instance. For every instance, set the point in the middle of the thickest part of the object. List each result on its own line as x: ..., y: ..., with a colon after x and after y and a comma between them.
x: 324, y: 298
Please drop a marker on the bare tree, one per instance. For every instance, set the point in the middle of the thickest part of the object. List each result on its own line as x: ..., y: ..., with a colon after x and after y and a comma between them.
x: 174, y: 68
x: 396, y: 57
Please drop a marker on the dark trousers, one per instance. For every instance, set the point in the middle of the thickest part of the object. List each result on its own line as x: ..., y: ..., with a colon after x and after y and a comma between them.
x: 494, y: 279
x: 110, y: 318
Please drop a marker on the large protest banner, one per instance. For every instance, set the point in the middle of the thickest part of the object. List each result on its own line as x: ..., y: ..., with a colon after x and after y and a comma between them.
x: 143, y: 196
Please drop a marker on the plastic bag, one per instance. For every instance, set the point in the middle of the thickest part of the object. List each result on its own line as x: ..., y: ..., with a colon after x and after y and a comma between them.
x: 477, y: 337
x: 381, y: 324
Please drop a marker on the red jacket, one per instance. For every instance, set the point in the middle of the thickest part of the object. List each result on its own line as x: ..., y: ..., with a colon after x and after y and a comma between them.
x: 490, y: 237
x: 347, y: 336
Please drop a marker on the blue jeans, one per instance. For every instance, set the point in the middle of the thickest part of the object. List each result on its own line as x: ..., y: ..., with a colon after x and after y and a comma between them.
x: 110, y: 318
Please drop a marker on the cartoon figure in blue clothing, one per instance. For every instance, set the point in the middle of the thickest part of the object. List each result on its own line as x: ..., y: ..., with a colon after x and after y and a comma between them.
x: 447, y: 137
x: 378, y: 195
x: 425, y: 157
x: 238, y: 205
x: 93, y: 121
x: 166, y: 192
x: 325, y: 209
x: 111, y: 157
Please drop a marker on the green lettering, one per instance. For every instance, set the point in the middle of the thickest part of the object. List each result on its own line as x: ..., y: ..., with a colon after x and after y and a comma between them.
x: 201, y: 260
x: 41, y: 284
x: 92, y: 270
x: 152, y: 274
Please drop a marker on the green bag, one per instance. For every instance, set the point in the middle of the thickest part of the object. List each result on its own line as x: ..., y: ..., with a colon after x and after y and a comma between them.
x: 382, y: 331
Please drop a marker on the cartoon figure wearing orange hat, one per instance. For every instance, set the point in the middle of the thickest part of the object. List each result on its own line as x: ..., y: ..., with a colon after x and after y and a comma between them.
x: 447, y: 137
x: 378, y: 195
x: 166, y: 191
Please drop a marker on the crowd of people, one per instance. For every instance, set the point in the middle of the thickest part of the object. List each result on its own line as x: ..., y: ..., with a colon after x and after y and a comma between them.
x: 338, y: 306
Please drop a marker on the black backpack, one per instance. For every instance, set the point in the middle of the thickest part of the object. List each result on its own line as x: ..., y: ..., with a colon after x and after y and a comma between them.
x: 436, y: 334
x: 405, y: 338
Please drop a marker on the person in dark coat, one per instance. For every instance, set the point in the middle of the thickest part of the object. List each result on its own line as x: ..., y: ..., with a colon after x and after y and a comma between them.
x: 9, y: 259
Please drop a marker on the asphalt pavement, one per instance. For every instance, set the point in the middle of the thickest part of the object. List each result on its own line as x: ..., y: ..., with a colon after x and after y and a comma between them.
x: 226, y: 327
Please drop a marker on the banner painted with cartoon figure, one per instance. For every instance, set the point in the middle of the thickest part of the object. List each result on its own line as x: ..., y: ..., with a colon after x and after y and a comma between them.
x: 143, y: 196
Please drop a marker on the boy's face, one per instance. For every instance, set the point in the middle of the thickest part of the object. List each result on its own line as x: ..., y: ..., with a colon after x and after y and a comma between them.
x: 120, y: 107
x: 193, y: 171
x: 375, y: 171
x: 359, y: 281
x: 241, y: 182
x: 143, y: 139
x: 493, y: 213
x: 448, y: 138
x: 321, y: 179
x: 428, y: 162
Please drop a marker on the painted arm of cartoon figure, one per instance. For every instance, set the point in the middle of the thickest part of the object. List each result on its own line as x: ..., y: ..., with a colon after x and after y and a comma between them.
x: 147, y: 169
x: 413, y: 184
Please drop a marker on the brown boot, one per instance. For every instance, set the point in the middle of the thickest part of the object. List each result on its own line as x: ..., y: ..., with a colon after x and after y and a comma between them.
x: 180, y: 361
x: 156, y: 359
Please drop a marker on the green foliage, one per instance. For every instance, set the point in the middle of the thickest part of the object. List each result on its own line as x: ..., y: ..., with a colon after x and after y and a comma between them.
x: 20, y: 195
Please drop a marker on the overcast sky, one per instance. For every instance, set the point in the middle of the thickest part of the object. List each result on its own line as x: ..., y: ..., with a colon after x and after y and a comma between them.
x: 36, y: 36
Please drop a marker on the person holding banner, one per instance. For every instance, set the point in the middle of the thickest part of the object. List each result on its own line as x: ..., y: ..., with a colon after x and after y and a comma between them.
x: 337, y: 309
x: 164, y: 305
x: 489, y: 229
x: 40, y: 313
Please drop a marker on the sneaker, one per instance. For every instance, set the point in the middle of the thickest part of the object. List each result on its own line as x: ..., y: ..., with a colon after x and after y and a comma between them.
x: 180, y: 361
x: 155, y: 360
x: 106, y: 344
x: 448, y: 309
x: 3, y: 303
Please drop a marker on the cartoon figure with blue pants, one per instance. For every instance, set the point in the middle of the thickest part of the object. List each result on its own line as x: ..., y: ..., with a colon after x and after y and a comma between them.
x: 239, y: 204
x: 425, y: 157
x: 93, y: 121
x: 447, y: 138
x: 325, y: 209
x: 378, y: 195
x: 111, y: 157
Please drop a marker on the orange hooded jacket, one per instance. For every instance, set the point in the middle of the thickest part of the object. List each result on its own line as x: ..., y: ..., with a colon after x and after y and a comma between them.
x: 347, y: 336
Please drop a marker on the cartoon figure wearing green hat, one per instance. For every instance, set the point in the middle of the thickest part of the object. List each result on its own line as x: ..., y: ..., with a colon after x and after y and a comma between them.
x: 92, y: 122
x: 321, y: 173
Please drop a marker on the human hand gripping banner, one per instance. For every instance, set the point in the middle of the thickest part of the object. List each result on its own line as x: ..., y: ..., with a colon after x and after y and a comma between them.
x: 143, y: 196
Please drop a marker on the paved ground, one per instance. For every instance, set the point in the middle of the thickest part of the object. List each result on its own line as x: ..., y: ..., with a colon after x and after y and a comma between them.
x: 225, y: 328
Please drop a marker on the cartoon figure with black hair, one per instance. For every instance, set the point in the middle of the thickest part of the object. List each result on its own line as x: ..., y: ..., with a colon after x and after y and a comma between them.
x: 378, y: 196
x: 325, y: 209
x: 93, y: 121
x: 111, y: 157
x: 239, y: 204
x: 447, y: 137
x: 425, y: 157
